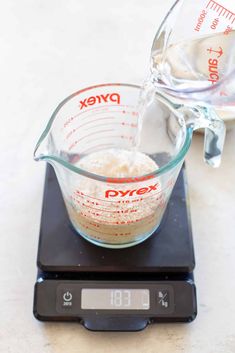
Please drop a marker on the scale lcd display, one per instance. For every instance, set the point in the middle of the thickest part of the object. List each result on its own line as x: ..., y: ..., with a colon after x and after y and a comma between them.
x: 115, y: 299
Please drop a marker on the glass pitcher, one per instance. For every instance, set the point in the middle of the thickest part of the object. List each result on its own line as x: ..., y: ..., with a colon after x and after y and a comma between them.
x: 193, y: 53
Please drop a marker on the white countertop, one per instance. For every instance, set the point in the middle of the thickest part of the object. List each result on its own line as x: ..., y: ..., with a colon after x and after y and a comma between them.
x: 50, y: 49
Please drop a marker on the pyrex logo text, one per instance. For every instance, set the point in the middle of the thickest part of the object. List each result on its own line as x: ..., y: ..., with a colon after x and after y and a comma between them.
x: 141, y: 191
x: 102, y: 98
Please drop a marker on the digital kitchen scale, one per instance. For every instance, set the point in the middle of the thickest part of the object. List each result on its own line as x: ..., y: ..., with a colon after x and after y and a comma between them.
x: 115, y: 289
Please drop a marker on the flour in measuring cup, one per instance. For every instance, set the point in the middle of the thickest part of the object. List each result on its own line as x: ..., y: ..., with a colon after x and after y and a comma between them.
x: 117, y: 213
x: 117, y: 163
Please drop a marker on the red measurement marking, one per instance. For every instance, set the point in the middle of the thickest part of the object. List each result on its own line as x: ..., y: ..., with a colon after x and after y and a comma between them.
x: 105, y: 111
x: 130, y: 125
x: 106, y: 106
x: 94, y: 214
x: 228, y: 30
x: 81, y: 203
x: 97, y: 112
x: 94, y: 230
x: 94, y: 225
x: 129, y: 201
x: 84, y: 137
x: 87, y: 123
x: 129, y: 179
x: 94, y: 203
x: 70, y: 120
x: 200, y: 20
x: 69, y: 134
x: 98, y: 209
x: 112, y: 137
x: 107, y: 124
x: 95, y: 121
x: 147, y: 218
x: 80, y: 194
x: 118, y: 212
x: 103, y: 145
x: 215, y: 6
x: 84, y: 197
x: 102, y: 232
x: 103, y: 209
x: 103, y: 108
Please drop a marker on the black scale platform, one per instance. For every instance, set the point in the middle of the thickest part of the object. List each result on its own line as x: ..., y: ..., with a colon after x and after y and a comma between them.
x: 68, y: 263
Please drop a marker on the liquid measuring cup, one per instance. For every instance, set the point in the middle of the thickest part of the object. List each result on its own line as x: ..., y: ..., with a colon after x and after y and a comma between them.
x: 109, y: 211
x: 193, y: 53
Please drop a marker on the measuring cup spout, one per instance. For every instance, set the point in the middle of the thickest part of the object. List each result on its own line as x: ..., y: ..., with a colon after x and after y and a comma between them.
x: 44, y: 147
x: 47, y: 149
x: 50, y: 148
x: 40, y: 152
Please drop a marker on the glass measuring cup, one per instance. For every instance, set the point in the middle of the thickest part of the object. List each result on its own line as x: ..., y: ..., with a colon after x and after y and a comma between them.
x: 193, y: 53
x: 109, y: 211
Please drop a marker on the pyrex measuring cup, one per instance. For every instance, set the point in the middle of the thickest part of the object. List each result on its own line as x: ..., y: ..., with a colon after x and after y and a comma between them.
x: 109, y: 211
x: 193, y: 53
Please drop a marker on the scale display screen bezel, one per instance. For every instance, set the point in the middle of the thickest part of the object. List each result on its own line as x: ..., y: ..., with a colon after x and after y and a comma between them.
x: 76, y: 288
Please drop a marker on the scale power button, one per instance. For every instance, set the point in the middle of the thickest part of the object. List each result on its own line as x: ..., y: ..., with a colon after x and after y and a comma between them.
x: 67, y: 299
x: 67, y: 296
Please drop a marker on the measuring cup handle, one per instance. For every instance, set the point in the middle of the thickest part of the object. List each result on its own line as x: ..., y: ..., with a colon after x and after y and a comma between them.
x: 207, y: 118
